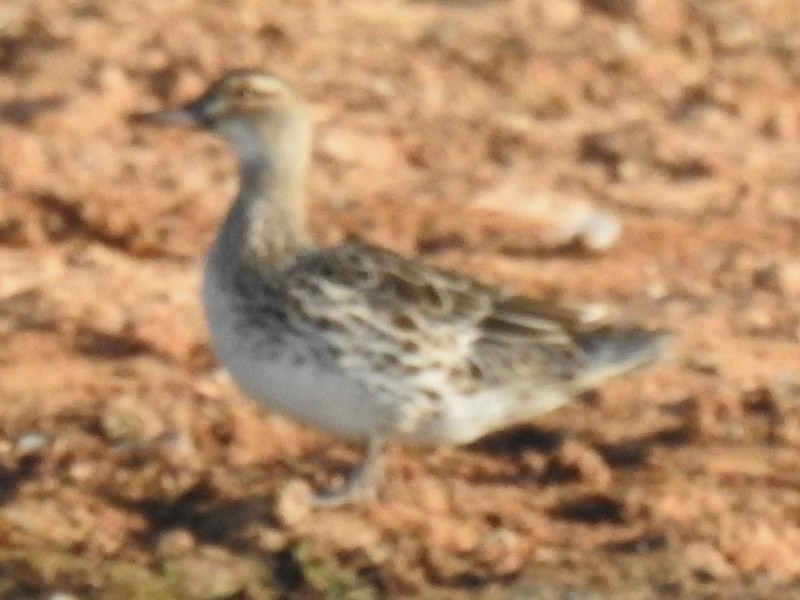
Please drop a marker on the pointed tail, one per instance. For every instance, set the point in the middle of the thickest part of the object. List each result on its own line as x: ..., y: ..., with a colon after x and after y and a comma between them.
x: 611, y: 353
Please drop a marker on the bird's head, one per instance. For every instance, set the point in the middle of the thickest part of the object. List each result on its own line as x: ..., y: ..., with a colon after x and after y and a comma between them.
x: 257, y: 112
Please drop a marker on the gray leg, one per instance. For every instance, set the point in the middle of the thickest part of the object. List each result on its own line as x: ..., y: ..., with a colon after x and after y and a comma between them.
x: 363, y: 482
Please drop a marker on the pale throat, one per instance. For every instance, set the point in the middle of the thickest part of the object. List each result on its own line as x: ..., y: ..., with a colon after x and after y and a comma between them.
x: 273, y: 163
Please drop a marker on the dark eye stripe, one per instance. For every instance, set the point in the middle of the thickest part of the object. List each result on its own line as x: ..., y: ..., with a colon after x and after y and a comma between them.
x: 251, y: 93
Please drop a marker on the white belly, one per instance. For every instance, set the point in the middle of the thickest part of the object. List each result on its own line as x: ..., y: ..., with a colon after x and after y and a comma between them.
x: 288, y: 378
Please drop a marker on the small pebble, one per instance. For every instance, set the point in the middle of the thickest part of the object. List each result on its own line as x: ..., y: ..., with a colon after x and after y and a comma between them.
x: 579, y: 222
x: 30, y: 443
x: 176, y: 542
x: 601, y: 231
x: 294, y: 502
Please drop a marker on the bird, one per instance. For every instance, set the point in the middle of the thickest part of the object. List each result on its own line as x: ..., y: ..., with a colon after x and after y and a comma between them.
x: 357, y: 340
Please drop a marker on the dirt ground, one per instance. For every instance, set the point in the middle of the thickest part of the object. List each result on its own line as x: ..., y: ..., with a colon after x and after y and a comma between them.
x: 460, y: 132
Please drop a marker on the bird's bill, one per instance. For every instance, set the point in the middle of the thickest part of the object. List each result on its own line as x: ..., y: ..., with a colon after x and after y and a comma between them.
x: 193, y: 114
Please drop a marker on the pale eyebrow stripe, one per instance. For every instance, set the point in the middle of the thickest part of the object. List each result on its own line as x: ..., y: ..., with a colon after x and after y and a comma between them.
x: 266, y: 86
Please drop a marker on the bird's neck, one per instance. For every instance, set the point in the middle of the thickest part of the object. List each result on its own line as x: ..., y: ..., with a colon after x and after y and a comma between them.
x: 269, y: 212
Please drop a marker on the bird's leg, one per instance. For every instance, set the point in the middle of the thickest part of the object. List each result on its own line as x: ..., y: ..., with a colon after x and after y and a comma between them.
x: 363, y: 482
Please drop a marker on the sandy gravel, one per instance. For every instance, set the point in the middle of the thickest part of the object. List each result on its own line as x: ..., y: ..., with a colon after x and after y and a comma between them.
x: 476, y: 136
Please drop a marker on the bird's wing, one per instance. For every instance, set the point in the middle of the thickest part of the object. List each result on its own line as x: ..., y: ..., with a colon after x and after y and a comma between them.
x: 395, y: 293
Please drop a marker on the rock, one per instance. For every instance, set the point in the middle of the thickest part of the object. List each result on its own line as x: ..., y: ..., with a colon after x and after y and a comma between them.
x: 562, y: 221
x: 176, y: 542
x: 272, y: 540
x: 600, y: 231
x: 30, y: 443
x: 585, y: 463
x: 294, y: 503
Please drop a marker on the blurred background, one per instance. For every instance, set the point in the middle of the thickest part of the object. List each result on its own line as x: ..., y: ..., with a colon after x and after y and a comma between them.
x: 638, y: 158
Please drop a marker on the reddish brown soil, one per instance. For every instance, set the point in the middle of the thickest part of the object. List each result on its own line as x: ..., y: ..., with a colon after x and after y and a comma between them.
x: 130, y: 467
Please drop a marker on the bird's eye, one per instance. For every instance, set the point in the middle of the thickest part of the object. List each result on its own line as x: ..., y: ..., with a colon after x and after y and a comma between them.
x: 242, y: 93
